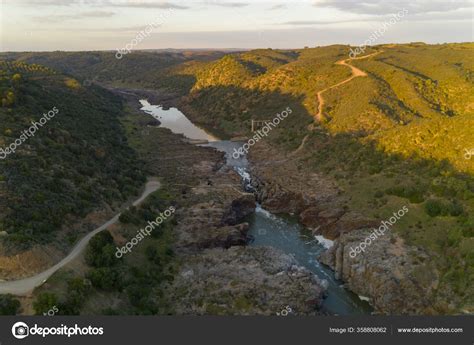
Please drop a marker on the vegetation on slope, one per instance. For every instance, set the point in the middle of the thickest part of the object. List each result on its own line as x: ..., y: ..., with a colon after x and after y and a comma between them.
x: 157, y: 70
x: 77, y: 162
x: 397, y: 136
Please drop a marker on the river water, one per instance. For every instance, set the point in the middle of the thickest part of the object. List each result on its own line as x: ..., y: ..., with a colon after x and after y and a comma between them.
x: 176, y: 121
x: 267, y: 229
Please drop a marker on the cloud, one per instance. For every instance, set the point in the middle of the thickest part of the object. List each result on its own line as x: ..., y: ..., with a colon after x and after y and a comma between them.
x: 43, y: 2
x: 103, y: 3
x: 277, y: 7
x: 320, y: 22
x: 226, y: 4
x: 124, y: 30
x: 64, y: 17
x: 148, y: 4
x: 382, y: 7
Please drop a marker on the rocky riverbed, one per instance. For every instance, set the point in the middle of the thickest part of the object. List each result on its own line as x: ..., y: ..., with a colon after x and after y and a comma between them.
x: 395, y: 277
x: 219, y: 273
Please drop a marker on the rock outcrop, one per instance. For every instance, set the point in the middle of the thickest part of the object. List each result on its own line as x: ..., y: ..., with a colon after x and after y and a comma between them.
x: 397, y: 278
x: 239, y: 209
x: 245, y: 281
x: 388, y: 271
x: 319, y: 203
x: 331, y: 222
x: 218, y: 273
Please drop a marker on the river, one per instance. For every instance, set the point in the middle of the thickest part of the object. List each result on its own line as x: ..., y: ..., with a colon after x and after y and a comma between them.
x: 267, y: 229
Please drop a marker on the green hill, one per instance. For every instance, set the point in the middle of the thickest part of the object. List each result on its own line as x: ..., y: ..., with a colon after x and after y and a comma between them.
x: 393, y: 137
x: 76, y: 162
x: 397, y: 136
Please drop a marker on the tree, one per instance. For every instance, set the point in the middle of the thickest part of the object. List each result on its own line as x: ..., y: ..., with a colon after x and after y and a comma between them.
x: 78, y: 289
x: 105, y: 278
x: 44, y: 302
x: 9, y: 98
x: 16, y: 78
x: 101, y: 250
x: 9, y: 305
x: 153, y: 255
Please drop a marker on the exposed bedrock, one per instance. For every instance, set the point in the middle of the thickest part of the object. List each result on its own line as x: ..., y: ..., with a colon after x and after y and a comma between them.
x: 398, y: 278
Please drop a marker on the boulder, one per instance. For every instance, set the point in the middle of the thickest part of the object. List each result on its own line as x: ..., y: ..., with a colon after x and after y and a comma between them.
x: 239, y: 209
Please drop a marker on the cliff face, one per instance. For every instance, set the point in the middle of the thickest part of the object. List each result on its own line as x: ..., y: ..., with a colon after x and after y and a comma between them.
x: 398, y: 279
x: 285, y: 187
x: 219, y: 273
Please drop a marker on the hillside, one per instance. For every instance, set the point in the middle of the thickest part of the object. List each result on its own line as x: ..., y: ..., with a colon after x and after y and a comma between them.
x: 140, y: 69
x: 397, y: 136
x: 76, y: 160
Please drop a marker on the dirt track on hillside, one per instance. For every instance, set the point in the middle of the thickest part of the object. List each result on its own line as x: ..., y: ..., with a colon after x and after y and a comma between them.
x: 356, y: 72
x: 25, y: 286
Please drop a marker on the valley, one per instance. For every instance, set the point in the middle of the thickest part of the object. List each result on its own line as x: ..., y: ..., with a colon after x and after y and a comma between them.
x: 395, y: 136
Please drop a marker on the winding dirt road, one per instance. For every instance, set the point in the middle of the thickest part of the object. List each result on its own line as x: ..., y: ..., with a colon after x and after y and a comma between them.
x: 26, y: 285
x: 356, y: 72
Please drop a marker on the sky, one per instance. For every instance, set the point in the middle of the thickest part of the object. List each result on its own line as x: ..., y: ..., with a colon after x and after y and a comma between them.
x: 47, y: 25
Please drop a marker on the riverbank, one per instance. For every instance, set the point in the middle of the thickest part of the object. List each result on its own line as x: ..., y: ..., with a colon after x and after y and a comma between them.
x: 389, y: 275
x: 286, y: 186
x: 220, y: 274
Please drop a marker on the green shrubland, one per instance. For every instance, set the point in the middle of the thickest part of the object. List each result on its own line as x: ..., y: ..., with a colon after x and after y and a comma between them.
x: 77, y: 162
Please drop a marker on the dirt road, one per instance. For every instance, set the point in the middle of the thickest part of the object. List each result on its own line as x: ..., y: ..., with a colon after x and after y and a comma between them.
x: 26, y: 285
x: 355, y: 73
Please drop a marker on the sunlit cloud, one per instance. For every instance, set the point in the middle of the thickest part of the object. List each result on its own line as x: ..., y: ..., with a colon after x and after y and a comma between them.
x: 382, y: 7
x: 65, y: 17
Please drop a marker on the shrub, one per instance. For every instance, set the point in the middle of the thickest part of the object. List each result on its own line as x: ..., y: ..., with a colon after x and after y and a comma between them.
x: 9, y: 305
x: 456, y: 209
x: 412, y: 193
x: 105, y: 278
x: 378, y: 194
x: 434, y: 207
x: 101, y: 251
x: 44, y: 302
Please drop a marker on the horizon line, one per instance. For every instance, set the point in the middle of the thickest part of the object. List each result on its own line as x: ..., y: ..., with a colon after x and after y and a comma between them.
x: 230, y: 49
